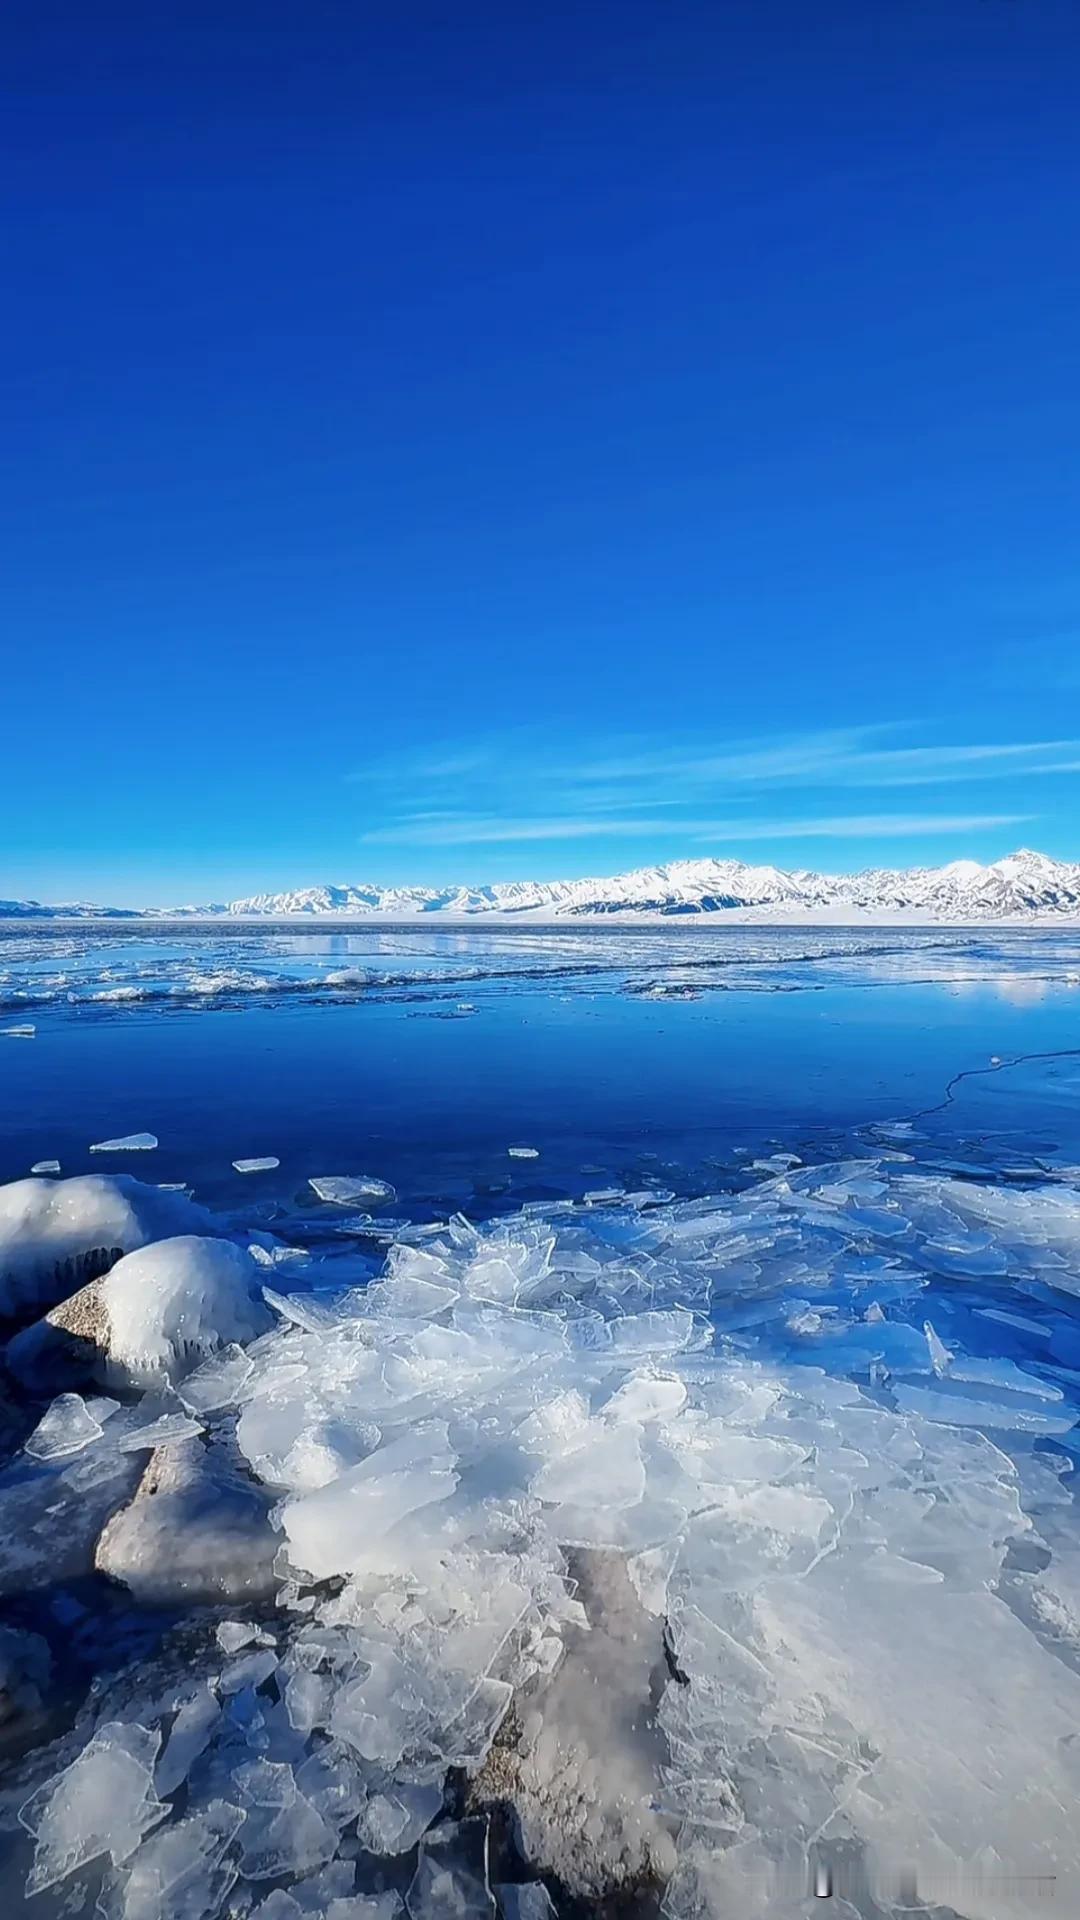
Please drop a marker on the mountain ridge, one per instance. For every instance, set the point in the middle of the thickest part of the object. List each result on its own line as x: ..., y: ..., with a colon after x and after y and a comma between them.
x: 1022, y: 884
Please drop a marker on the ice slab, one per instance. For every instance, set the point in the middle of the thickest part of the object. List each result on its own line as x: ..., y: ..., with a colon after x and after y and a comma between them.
x: 66, y: 1428
x: 23, y: 1031
x: 45, y: 1166
x: 352, y: 1190
x: 177, y: 1870
x: 265, y: 1165
x: 104, y: 1802
x: 127, y: 1143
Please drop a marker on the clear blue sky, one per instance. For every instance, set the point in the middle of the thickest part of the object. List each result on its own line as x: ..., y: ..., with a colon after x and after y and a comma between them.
x: 531, y: 439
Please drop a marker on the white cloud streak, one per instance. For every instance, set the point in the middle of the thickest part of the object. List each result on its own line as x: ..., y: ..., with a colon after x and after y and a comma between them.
x: 455, y: 831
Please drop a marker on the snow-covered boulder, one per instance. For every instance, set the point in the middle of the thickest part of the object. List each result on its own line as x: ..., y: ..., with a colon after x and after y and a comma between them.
x: 55, y: 1235
x: 153, y: 1317
x: 195, y: 1531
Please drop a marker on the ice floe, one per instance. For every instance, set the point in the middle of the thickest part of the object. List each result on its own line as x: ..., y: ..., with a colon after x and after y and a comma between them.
x: 127, y: 1143
x: 353, y: 1190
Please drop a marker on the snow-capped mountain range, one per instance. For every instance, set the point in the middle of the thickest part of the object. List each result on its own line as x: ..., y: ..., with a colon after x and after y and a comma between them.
x: 1022, y: 885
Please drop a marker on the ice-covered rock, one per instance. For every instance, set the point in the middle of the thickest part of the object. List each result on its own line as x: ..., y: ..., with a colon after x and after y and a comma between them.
x: 154, y: 1316
x: 577, y: 1764
x: 195, y: 1530
x: 55, y: 1235
x: 51, y: 1513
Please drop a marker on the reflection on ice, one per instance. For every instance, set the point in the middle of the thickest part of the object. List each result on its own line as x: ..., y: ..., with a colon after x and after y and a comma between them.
x: 125, y: 970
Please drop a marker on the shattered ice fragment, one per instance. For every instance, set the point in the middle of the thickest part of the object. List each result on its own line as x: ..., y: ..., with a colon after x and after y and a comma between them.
x: 940, y: 1357
x: 127, y: 1143
x: 523, y: 1153
x: 22, y: 1032
x: 178, y: 1871
x: 165, y: 1431
x: 104, y: 1802
x: 393, y: 1823
x: 530, y: 1901
x: 219, y: 1381
x: 285, y: 1839
x: 249, y: 1670
x: 348, y: 1190
x: 450, y: 1882
x: 67, y: 1427
x: 265, y: 1165
x: 234, y: 1634
x: 343, y: 1526
x: 45, y: 1166
x: 193, y: 1728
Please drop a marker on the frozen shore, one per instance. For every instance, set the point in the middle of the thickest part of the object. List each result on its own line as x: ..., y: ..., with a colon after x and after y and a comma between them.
x: 628, y: 1552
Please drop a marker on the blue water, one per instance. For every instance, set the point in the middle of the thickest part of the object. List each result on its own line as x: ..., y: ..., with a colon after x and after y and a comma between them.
x: 444, y: 1048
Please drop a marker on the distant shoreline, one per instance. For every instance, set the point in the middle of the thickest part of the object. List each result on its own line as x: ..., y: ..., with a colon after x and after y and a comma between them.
x: 538, y: 920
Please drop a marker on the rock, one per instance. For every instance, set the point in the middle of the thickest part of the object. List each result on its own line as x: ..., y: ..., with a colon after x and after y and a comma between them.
x: 577, y: 1770
x: 195, y: 1531
x: 154, y: 1316
x: 25, y: 1669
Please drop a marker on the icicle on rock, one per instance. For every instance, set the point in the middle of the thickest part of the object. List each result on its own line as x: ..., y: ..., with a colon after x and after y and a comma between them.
x: 56, y: 1235
x: 154, y: 1316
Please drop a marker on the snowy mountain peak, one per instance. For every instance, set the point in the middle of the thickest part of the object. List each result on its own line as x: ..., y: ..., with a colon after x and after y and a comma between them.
x: 1021, y: 884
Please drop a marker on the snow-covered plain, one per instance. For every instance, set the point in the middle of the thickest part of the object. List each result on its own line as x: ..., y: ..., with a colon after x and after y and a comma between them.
x: 729, y: 1543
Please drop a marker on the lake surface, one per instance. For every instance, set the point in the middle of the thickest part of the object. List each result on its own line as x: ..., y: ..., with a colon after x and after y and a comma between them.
x: 423, y: 1054
x: 717, y: 1353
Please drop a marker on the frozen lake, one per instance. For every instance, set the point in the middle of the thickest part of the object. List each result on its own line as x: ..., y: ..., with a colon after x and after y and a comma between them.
x: 427, y: 1052
x: 636, y: 1385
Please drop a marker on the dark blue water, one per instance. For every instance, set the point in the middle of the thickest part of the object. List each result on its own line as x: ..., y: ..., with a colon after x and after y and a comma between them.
x: 427, y: 1088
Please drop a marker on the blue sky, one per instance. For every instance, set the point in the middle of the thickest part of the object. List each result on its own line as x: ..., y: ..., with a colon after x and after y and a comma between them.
x: 533, y: 440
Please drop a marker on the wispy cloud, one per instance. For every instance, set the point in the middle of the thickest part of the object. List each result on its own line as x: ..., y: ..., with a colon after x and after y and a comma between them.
x: 461, y: 831
x: 834, y: 759
x: 525, y: 787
